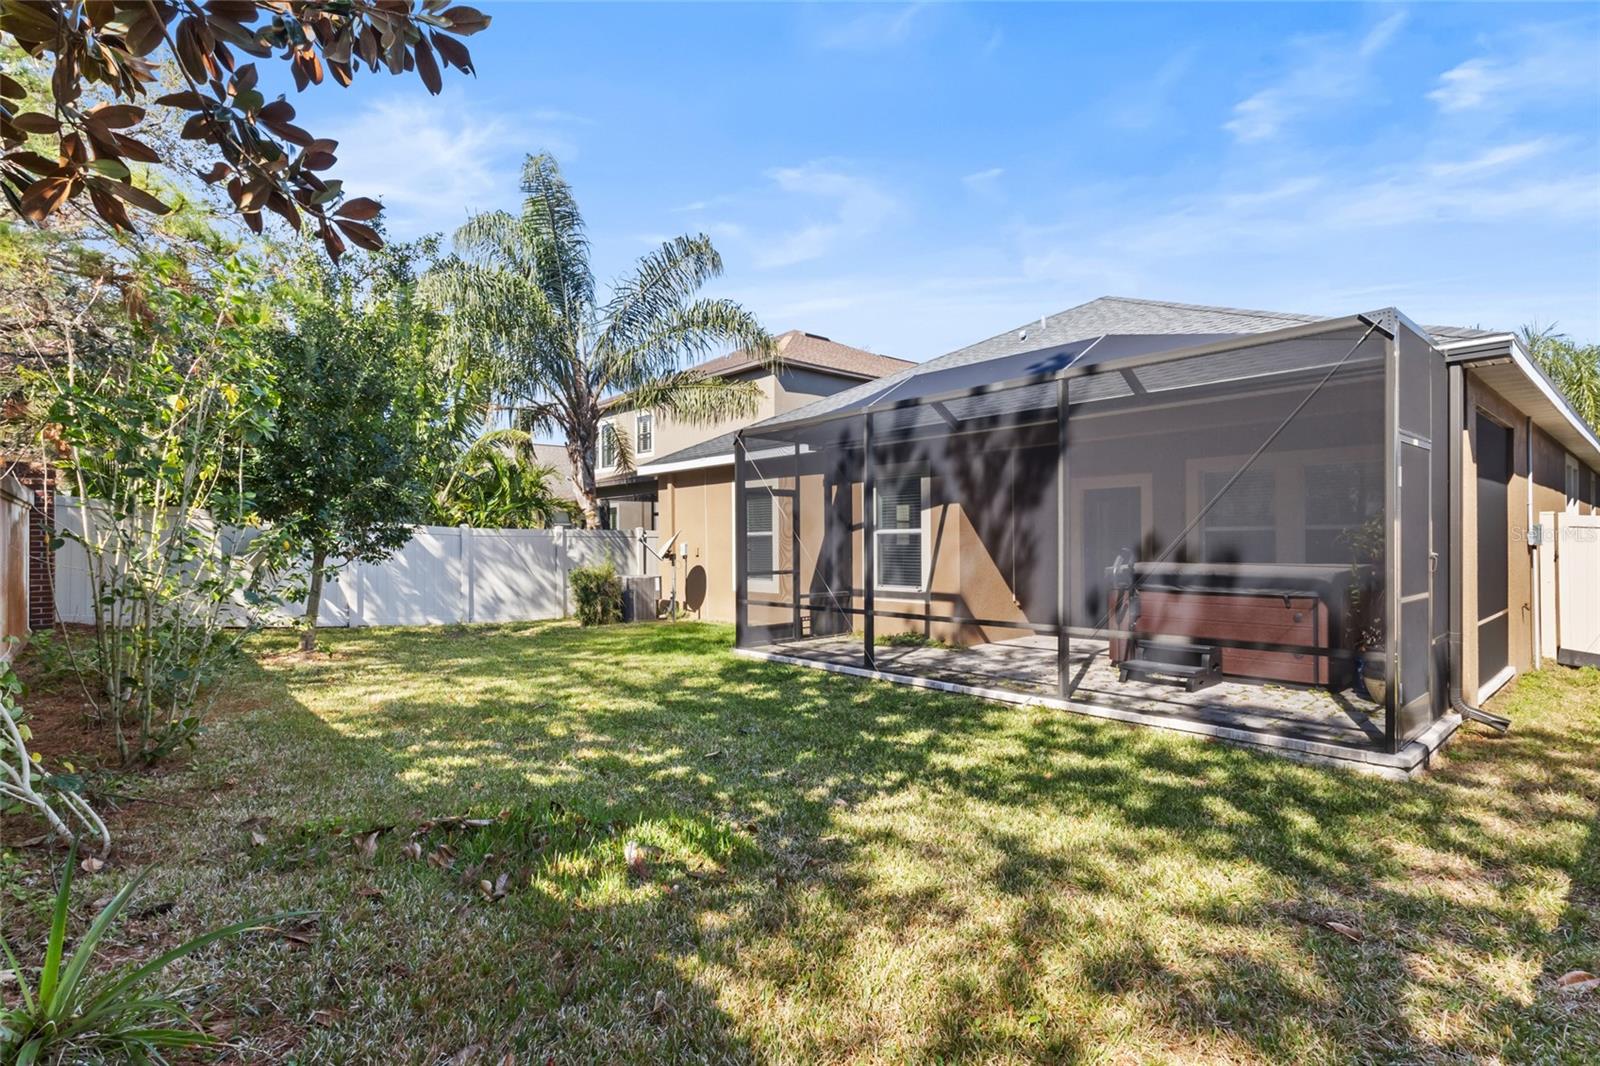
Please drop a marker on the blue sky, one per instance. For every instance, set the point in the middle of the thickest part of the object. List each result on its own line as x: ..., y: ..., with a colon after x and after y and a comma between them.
x: 913, y: 178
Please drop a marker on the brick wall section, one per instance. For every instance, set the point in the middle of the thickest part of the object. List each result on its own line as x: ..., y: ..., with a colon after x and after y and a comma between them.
x: 41, y: 522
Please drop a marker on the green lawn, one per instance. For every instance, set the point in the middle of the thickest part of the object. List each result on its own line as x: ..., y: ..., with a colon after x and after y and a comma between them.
x: 844, y: 871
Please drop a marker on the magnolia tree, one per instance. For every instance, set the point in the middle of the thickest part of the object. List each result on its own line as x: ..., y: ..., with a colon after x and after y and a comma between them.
x: 106, y: 58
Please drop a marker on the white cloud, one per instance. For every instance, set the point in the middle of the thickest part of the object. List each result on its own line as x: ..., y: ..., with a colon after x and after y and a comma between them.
x: 1530, y: 67
x: 1322, y: 71
x: 872, y: 29
x: 434, y: 162
x: 1495, y: 158
x: 983, y: 179
x: 858, y: 208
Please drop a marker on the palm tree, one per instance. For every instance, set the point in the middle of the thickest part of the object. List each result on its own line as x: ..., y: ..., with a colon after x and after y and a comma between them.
x: 523, y: 306
x: 1574, y: 368
x: 498, y: 483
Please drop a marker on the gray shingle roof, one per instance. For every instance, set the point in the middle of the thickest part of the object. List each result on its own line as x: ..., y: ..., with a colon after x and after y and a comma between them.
x: 1105, y: 315
x: 715, y: 447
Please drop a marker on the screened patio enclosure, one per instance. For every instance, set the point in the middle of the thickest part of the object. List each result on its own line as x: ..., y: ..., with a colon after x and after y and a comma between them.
x: 1231, y: 532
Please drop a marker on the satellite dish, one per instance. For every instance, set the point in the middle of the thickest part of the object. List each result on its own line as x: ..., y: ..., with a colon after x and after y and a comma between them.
x: 666, y: 549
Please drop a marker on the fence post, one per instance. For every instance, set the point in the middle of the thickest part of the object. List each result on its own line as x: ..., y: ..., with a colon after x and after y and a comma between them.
x: 563, y: 564
x: 468, y: 579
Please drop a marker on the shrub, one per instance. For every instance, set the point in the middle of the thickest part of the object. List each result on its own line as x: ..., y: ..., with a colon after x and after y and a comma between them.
x: 597, y: 591
x: 910, y: 640
x: 71, y: 1013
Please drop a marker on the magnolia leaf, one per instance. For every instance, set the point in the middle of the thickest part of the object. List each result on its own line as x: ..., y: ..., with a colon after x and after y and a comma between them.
x: 360, y: 209
x: 1348, y: 932
x: 1577, y: 982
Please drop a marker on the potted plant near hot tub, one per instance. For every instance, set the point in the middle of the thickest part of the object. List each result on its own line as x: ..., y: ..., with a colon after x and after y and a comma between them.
x: 1367, y: 627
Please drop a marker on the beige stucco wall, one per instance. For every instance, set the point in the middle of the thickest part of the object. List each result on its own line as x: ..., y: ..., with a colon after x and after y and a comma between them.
x: 697, y: 505
x: 1548, y: 486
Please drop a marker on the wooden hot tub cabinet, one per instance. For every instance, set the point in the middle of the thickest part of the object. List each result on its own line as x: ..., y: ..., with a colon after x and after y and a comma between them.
x: 1299, y: 605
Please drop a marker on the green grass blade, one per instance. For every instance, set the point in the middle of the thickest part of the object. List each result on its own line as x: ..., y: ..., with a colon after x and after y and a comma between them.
x: 30, y: 1051
x: 83, y: 951
x: 16, y: 968
x: 161, y: 961
x: 58, y: 935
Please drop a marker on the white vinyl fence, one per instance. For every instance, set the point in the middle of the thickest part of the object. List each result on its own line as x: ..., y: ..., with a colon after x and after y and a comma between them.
x: 1569, y: 572
x: 443, y: 575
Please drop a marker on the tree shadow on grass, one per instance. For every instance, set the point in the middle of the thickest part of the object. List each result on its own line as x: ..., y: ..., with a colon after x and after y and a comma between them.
x: 914, y: 875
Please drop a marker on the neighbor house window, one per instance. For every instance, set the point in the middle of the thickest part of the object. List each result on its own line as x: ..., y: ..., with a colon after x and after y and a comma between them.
x: 760, y: 539
x: 608, y: 446
x: 1574, y: 493
x: 897, y: 534
x: 1344, y: 502
x: 644, y: 433
x: 1242, y: 526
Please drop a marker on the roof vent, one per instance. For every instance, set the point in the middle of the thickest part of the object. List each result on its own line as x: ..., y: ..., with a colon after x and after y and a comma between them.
x: 1022, y: 334
x: 817, y: 337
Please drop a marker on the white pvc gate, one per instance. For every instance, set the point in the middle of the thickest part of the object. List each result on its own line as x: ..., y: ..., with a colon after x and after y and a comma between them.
x: 1569, y: 587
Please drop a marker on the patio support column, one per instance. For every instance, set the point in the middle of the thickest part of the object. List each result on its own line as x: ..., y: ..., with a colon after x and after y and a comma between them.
x: 869, y: 551
x: 794, y: 539
x: 741, y: 556
x: 1391, y: 544
x: 1063, y: 554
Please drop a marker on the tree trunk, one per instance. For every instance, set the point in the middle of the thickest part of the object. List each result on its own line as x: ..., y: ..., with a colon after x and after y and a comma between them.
x: 579, y: 455
x: 308, y: 632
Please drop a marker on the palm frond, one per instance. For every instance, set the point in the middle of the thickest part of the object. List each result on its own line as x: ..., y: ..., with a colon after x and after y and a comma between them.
x: 561, y: 245
x: 661, y: 284
x: 686, y: 336
x: 696, y: 398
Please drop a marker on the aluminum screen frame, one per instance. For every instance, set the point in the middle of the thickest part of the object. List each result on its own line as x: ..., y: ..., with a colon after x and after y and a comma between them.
x: 1052, y: 384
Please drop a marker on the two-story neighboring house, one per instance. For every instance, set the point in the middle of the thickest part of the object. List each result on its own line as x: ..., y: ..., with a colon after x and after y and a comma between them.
x: 683, y: 473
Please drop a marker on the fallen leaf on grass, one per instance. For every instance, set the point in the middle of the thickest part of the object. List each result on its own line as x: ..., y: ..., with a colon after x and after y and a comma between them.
x: 633, y: 853
x: 154, y: 909
x: 31, y: 842
x: 412, y: 850
x: 92, y: 865
x: 367, y: 844
x: 369, y: 892
x: 258, y: 839
x: 496, y: 890
x: 466, y: 1055
x: 326, y: 1018
x: 1348, y: 932
x: 1577, y: 981
x: 659, y: 1010
x: 300, y: 934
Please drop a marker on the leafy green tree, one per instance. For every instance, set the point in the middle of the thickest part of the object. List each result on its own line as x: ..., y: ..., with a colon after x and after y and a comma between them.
x: 497, y: 482
x: 147, y: 410
x: 345, y: 474
x: 1575, y: 368
x: 523, y: 304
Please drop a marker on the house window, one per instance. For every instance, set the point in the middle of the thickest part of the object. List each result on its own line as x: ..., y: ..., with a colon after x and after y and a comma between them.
x: 644, y: 433
x: 1574, y: 493
x: 608, y: 446
x: 897, y: 533
x: 760, y: 539
x: 1344, y: 505
x: 1242, y: 526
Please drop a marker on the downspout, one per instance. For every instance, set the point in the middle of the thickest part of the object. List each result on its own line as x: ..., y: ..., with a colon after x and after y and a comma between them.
x: 1458, y: 429
x: 1533, y: 551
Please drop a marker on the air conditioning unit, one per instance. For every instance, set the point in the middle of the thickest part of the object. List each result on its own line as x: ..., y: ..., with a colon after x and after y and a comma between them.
x: 641, y: 598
